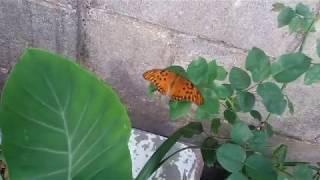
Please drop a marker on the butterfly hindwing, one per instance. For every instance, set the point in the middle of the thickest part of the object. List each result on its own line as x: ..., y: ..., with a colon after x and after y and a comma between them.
x: 183, y: 89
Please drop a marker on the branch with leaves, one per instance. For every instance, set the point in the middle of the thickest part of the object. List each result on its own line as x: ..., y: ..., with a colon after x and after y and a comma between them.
x: 226, y: 95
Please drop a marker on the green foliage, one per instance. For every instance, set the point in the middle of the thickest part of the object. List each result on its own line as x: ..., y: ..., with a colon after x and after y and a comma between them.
x: 197, y: 69
x: 290, y: 66
x: 312, y: 75
x: 178, y: 69
x: 239, y: 79
x: 237, y: 176
x: 318, y: 47
x: 259, y: 167
x: 285, y: 16
x: 259, y: 141
x: 256, y: 115
x: 215, y: 125
x: 303, y: 10
x: 258, y: 64
x: 179, y: 109
x: 301, y: 19
x: 231, y: 157
x: 272, y: 97
x: 241, y: 133
x: 221, y: 73
x: 302, y: 172
x: 61, y: 122
x: 245, y: 152
x: 246, y: 101
x: 279, y: 155
x: 151, y: 89
x: 230, y: 116
x: 223, y: 91
x: 290, y: 105
x: 212, y: 71
x: 208, y: 151
x: 211, y: 103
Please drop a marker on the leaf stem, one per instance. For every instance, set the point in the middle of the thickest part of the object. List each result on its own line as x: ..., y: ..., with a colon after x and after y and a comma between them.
x: 304, y: 37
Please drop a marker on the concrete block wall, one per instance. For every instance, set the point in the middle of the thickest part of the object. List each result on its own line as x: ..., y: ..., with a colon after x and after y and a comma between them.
x: 120, y: 39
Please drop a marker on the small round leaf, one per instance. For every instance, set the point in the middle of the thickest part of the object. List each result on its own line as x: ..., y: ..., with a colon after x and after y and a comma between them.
x: 246, y: 101
x: 239, y: 78
x: 259, y: 167
x: 231, y: 157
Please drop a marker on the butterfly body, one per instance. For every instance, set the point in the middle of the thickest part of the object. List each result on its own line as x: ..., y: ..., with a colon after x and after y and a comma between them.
x: 174, y: 85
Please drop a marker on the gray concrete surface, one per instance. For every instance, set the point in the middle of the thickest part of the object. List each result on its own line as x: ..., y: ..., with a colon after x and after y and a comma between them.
x: 119, y: 40
x: 182, y: 166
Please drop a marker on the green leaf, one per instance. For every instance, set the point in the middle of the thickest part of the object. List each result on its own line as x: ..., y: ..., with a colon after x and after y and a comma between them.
x: 179, y: 109
x: 221, y: 73
x: 230, y: 116
x: 215, y: 125
x: 223, y: 90
x: 285, y: 16
x: 258, y: 64
x: 151, y: 89
x: 212, y: 71
x: 277, y: 6
x: 211, y: 102
x: 260, y: 168
x: 237, y: 176
x: 240, y: 133
x: 208, y: 151
x: 231, y: 157
x: 61, y: 121
x: 272, y: 97
x: 318, y: 47
x: 239, y: 78
x: 296, y: 24
x: 155, y: 160
x: 307, y: 22
x: 312, y: 75
x: 256, y: 115
x: 191, y: 129
x: 259, y: 141
x: 303, y: 10
x: 290, y: 66
x: 268, y: 130
x: 197, y: 70
x: 279, y: 155
x: 246, y: 101
x: 178, y: 69
x: 290, y: 105
x: 302, y: 172
x: 202, y: 114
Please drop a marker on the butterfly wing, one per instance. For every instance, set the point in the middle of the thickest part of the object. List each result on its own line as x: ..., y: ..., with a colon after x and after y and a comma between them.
x: 162, y: 79
x: 183, y: 89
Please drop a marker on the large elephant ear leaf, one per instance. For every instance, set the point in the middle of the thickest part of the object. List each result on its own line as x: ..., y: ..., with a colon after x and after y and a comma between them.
x: 61, y: 122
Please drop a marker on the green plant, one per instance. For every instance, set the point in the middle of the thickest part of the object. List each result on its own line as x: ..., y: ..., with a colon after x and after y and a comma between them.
x: 245, y: 153
x: 59, y: 121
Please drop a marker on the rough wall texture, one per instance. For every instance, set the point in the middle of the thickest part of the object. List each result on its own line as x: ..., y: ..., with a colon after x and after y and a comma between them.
x: 120, y: 39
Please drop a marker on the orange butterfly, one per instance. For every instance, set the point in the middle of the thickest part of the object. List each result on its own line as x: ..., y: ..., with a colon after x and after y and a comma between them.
x: 173, y: 85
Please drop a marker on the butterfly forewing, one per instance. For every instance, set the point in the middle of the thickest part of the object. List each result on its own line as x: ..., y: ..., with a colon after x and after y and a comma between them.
x: 162, y: 79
